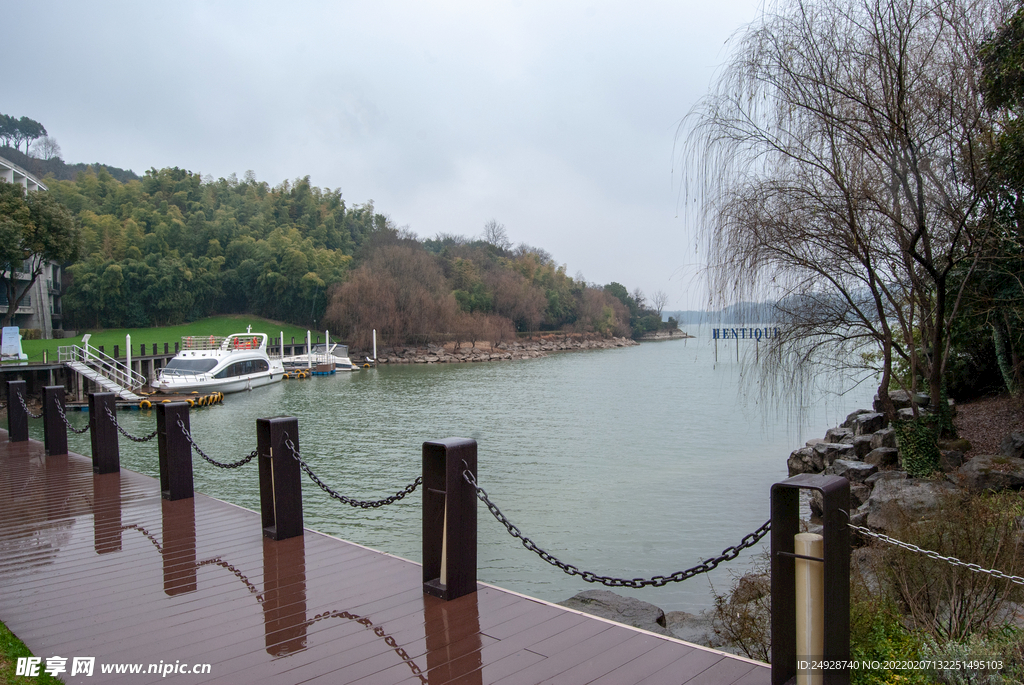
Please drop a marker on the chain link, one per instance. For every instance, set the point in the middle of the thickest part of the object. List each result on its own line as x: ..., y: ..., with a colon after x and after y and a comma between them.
x: 728, y: 554
x: 64, y: 418
x: 125, y: 433
x: 348, y: 500
x: 21, y: 398
x: 935, y: 555
x: 233, y: 465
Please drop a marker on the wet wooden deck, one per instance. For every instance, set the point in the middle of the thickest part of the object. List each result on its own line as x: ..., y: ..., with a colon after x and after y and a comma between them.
x: 101, y: 566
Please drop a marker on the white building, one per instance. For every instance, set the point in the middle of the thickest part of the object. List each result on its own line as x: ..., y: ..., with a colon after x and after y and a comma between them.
x: 41, y: 307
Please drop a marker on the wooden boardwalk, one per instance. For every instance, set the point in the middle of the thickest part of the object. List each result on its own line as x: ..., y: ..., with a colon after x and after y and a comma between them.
x: 101, y: 566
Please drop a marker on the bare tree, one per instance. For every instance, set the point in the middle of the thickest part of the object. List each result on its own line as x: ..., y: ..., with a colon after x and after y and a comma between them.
x: 46, y: 148
x: 838, y: 163
x: 658, y: 301
x: 495, y: 234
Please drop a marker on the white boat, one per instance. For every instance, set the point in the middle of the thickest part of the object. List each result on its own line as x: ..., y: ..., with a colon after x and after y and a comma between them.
x: 211, y: 363
x: 322, y: 353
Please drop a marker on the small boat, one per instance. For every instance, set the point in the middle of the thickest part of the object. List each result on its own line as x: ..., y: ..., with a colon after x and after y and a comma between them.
x: 322, y: 353
x: 211, y: 363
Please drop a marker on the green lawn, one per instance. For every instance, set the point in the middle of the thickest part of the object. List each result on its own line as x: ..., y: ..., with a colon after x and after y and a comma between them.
x: 214, y: 325
x: 10, y: 649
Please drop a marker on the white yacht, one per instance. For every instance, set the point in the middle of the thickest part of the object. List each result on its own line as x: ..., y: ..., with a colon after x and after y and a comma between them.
x: 211, y: 363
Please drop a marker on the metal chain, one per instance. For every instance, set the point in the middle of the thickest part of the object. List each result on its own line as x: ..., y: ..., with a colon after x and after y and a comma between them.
x: 233, y: 465
x: 348, y: 500
x: 935, y: 555
x: 24, y: 406
x: 728, y: 554
x: 125, y: 433
x: 64, y: 418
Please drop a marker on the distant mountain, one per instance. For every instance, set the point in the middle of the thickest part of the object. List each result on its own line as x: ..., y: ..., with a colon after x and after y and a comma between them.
x: 741, y: 313
x: 60, y: 170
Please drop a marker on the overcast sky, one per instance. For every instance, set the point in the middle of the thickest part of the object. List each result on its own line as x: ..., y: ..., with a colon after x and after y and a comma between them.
x: 557, y: 119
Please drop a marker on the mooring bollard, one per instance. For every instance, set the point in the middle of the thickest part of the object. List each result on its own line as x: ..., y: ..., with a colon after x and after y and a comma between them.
x: 280, y: 478
x: 449, y: 518
x: 55, y: 432
x: 835, y: 594
x: 17, y: 417
x: 106, y: 455
x: 175, y: 451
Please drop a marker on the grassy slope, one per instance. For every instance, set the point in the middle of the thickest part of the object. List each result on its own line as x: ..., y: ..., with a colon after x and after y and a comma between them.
x: 10, y: 649
x: 214, y: 325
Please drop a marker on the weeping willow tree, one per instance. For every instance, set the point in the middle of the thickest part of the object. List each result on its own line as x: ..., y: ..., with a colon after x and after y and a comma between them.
x: 837, y: 166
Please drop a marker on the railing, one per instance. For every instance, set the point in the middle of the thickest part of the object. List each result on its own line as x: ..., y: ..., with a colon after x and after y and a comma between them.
x: 106, y: 366
x: 450, y: 489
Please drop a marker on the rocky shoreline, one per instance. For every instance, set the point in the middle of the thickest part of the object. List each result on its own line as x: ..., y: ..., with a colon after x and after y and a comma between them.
x: 883, y: 495
x: 485, y: 352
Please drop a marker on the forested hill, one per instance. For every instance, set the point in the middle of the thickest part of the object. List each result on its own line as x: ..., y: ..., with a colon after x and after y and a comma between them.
x: 58, y: 168
x: 171, y: 247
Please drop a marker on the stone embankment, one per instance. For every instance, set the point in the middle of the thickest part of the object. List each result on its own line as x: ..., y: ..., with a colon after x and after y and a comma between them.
x: 863, y: 450
x: 485, y: 352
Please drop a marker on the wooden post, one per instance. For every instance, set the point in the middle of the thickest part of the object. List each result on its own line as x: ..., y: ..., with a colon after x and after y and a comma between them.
x: 175, y: 451
x: 106, y: 455
x: 785, y: 495
x: 55, y: 432
x: 17, y: 417
x: 280, y: 477
x: 449, y: 518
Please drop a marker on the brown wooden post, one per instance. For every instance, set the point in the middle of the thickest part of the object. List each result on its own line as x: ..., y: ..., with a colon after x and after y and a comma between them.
x: 280, y: 477
x: 175, y: 451
x: 106, y: 455
x: 449, y: 518
x: 785, y: 495
x: 17, y: 417
x: 55, y: 432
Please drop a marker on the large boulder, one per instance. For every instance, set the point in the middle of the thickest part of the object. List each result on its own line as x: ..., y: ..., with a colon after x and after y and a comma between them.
x: 883, y: 438
x: 1013, y: 445
x: 837, y: 434
x: 694, y: 628
x: 632, y: 612
x: 861, y: 444
x: 992, y: 472
x: 896, y: 499
x: 951, y: 460
x: 883, y: 456
x: 805, y: 460
x: 830, y: 451
x: 848, y: 423
x: 866, y: 424
x: 853, y: 471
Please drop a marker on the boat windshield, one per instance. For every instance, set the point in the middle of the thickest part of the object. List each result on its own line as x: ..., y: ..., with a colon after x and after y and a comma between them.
x: 188, y: 367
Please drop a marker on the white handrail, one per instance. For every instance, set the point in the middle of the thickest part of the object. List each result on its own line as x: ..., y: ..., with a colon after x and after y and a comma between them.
x: 105, y: 365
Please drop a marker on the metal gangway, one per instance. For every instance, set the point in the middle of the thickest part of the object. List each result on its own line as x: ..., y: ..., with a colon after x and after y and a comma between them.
x: 110, y: 374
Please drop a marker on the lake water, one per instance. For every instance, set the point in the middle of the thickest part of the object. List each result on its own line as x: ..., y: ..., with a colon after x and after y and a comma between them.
x: 628, y: 462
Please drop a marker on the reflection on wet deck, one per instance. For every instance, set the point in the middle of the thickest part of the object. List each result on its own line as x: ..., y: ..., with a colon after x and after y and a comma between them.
x: 101, y: 566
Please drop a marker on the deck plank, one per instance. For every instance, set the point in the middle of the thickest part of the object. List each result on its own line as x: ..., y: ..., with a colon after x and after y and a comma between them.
x: 101, y: 566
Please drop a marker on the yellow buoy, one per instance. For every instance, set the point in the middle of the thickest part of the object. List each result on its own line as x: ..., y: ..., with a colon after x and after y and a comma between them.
x: 191, y: 402
x: 145, y: 404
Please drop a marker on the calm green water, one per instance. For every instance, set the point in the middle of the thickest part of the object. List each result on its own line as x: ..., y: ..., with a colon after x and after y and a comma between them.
x: 629, y: 462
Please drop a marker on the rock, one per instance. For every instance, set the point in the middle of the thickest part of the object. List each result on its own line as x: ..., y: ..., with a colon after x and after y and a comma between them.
x: 837, y: 434
x: 882, y: 456
x: 951, y: 460
x: 957, y: 445
x: 883, y: 438
x: 866, y: 424
x: 848, y: 423
x: 862, y: 445
x: 805, y: 460
x: 632, y: 612
x: 859, y: 494
x: 1013, y: 445
x: 900, y: 400
x: 992, y: 472
x: 814, y: 441
x: 886, y: 475
x: 894, y: 500
x: 830, y: 451
x: 695, y: 628
x: 751, y: 586
x: 853, y: 471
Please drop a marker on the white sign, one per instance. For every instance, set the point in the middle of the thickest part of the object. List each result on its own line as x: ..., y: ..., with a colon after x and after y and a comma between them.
x: 12, y: 344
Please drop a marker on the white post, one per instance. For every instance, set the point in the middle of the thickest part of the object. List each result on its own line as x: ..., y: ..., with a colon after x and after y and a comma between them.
x: 374, y: 345
x: 327, y: 353
x: 810, y: 606
x: 309, y: 349
x: 282, y: 344
x: 128, y: 357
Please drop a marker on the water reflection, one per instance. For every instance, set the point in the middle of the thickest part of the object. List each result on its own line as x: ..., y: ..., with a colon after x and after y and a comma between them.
x: 106, y: 513
x: 453, y: 640
x: 178, y: 519
x: 284, y: 595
